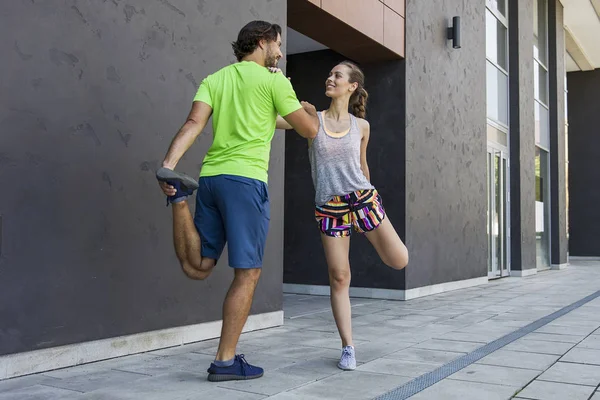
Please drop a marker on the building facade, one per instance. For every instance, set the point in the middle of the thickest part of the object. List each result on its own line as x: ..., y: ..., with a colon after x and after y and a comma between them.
x: 467, y: 149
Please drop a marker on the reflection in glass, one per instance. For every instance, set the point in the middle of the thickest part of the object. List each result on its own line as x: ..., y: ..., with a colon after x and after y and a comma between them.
x: 500, y: 6
x: 542, y: 128
x: 540, y: 79
x: 496, y: 40
x: 497, y: 94
x: 489, y: 213
x: 496, y: 135
x: 498, y: 234
x: 542, y: 208
x: 497, y: 216
x: 540, y: 32
x: 505, y: 216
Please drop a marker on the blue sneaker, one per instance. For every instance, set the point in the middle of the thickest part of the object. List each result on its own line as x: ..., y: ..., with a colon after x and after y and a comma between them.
x: 184, y: 184
x: 239, y: 371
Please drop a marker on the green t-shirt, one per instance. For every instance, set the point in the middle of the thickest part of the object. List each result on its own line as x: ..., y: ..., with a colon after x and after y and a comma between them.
x: 245, y: 98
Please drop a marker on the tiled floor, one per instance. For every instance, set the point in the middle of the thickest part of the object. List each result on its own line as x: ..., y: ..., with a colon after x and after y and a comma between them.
x: 395, y: 342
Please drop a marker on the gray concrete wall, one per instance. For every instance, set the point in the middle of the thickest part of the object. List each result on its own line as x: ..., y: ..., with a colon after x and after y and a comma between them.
x: 445, y: 143
x: 584, y: 174
x: 522, y: 140
x: 91, y: 95
x: 304, y: 257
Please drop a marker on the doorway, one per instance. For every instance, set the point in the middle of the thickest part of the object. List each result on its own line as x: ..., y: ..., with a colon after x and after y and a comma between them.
x: 498, y: 221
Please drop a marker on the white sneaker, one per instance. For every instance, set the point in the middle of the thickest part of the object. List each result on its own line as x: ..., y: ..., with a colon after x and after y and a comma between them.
x: 348, y: 359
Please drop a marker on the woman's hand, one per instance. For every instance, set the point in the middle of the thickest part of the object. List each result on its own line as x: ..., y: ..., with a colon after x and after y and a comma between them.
x: 275, y: 70
x: 309, y: 108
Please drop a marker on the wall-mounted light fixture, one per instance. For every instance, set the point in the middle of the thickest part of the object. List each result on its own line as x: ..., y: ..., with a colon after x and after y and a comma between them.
x: 454, y: 32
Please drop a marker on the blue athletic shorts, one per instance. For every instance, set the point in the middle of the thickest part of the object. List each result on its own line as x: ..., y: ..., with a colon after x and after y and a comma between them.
x: 234, y: 210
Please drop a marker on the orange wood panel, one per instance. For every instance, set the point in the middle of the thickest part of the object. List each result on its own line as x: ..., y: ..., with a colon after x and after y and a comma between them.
x: 393, y: 28
x: 307, y: 18
x: 366, y: 16
x: 396, y: 5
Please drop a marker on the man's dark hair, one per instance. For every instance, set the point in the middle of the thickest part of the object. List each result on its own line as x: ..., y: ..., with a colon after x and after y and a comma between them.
x: 253, y: 33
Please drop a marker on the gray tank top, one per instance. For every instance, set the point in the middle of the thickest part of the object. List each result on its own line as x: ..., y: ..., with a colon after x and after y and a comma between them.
x: 335, y: 163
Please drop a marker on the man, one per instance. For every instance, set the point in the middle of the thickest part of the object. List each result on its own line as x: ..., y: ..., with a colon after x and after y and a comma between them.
x: 232, y: 202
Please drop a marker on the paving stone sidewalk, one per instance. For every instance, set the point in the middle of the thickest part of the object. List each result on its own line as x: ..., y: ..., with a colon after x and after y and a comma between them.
x: 395, y: 343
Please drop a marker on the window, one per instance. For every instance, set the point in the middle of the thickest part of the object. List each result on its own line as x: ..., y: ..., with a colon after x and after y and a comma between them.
x: 498, y: 5
x: 497, y: 89
x: 497, y: 65
x: 496, y: 41
x: 542, y: 132
x: 542, y: 128
x: 540, y: 72
x: 540, y: 31
x: 497, y: 94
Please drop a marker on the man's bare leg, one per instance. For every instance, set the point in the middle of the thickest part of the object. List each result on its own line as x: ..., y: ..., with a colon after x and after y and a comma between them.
x: 235, y: 310
x: 187, y: 244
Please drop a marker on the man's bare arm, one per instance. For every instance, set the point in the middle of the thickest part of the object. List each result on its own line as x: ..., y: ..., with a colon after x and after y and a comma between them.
x: 304, y: 121
x: 194, y: 124
x: 282, y: 123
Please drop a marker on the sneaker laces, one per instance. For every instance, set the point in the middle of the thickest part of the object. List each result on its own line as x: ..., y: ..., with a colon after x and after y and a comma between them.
x: 346, y: 353
x: 243, y: 363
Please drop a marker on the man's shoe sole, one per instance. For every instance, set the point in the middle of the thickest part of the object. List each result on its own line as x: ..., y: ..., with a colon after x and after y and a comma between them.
x: 165, y: 175
x: 228, y: 377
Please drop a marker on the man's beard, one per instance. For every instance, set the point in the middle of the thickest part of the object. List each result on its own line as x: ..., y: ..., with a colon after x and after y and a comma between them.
x: 271, y: 60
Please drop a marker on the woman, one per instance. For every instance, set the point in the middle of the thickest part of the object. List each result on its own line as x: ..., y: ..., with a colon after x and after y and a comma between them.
x: 345, y: 198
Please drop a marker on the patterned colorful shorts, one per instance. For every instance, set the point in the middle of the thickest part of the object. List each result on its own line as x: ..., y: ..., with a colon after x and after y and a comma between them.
x: 362, y: 210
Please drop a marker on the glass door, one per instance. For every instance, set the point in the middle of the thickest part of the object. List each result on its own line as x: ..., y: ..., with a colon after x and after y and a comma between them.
x: 498, y: 228
x: 542, y: 208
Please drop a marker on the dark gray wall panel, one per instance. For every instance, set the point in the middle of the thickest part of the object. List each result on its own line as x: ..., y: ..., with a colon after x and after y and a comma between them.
x: 445, y: 143
x: 303, y: 255
x: 91, y: 95
x: 522, y: 140
x: 584, y: 174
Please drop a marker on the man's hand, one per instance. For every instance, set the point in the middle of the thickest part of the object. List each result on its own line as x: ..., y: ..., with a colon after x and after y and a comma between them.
x: 167, y: 189
x: 309, y: 108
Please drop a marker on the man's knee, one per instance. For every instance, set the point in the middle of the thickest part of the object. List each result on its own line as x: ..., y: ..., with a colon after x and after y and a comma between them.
x: 198, y: 271
x: 248, y: 274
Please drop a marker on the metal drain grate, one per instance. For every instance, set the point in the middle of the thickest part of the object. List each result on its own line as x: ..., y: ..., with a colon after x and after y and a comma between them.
x: 424, y: 381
